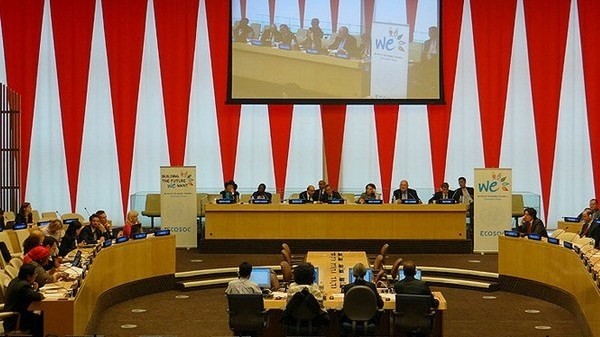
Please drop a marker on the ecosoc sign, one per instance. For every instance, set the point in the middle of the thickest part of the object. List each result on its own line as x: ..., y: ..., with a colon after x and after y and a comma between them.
x: 492, y: 207
x: 179, y: 229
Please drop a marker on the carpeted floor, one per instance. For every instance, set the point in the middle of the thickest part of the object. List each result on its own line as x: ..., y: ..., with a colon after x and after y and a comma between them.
x: 469, y: 314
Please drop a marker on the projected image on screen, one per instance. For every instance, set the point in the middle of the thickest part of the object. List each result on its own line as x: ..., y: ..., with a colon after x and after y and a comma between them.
x: 342, y: 49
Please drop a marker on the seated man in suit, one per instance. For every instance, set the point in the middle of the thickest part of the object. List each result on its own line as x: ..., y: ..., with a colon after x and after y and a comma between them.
x: 586, y: 221
x: 308, y: 194
x: 269, y: 35
x: 344, y: 42
x: 593, y: 207
x: 286, y: 37
x: 314, y: 36
x: 242, y: 31
x: 405, y: 193
x: 463, y: 194
x: 442, y: 194
x: 531, y: 224
x: 410, y: 285
x: 261, y: 193
x: 594, y: 232
x: 94, y: 232
x: 330, y: 194
x: 319, y: 193
x: 19, y: 294
x: 243, y: 285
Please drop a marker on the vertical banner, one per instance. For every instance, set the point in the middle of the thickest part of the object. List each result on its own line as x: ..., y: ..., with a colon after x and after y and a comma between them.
x: 389, y: 60
x: 178, y: 211
x: 493, y: 207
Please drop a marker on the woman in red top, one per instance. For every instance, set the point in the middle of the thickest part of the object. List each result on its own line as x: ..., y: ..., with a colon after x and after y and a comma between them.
x: 132, y: 219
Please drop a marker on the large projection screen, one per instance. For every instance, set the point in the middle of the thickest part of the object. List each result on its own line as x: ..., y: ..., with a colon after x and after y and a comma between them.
x: 315, y: 51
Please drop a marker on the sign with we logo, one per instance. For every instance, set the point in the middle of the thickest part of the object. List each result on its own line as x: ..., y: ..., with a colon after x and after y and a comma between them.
x: 492, y: 207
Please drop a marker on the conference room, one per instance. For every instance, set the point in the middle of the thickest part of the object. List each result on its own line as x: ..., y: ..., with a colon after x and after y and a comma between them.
x: 131, y: 107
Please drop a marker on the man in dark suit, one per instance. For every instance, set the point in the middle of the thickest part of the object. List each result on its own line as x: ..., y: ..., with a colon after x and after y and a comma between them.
x: 242, y: 31
x: 586, y: 221
x: 410, y: 285
x: 308, y: 194
x: 94, y: 232
x: 344, y: 42
x: 594, y: 211
x: 531, y: 224
x: 19, y: 294
x: 330, y: 194
x: 463, y: 194
x: 321, y: 191
x: 405, y: 193
x: 443, y: 194
x: 359, y: 271
x: 594, y: 233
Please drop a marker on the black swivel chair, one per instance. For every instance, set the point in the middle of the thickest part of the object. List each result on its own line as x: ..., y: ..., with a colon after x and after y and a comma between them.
x: 360, y: 310
x: 413, y: 315
x: 303, y: 316
x: 247, y: 314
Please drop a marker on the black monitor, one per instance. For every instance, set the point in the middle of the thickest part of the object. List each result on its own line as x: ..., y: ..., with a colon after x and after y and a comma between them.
x: 262, y: 277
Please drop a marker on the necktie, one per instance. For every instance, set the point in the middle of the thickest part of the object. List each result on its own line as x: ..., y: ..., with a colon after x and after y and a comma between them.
x: 584, y: 230
x: 404, y: 197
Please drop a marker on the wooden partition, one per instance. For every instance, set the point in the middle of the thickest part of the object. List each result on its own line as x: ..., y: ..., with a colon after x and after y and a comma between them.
x: 10, y: 148
x: 323, y: 221
x: 555, y: 266
x: 114, y: 266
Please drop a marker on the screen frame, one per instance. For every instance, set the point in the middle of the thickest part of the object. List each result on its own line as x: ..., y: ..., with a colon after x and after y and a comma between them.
x: 230, y: 100
x: 258, y: 271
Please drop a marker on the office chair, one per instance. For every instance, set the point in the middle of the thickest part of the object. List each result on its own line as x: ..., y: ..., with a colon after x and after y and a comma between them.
x: 360, y: 310
x: 383, y: 252
x: 517, y: 207
x: 378, y: 263
x: 286, y: 271
x: 247, y: 315
x: 152, y: 207
x: 303, y: 316
x: 395, y: 268
x: 11, y: 271
x: 287, y: 257
x: 413, y: 315
x: 294, y: 258
x: 49, y: 215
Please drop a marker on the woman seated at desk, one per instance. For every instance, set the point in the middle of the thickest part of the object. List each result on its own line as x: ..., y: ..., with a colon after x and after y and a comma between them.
x: 69, y: 240
x: 230, y: 192
x: 369, y: 194
x: 132, y: 225
x: 261, y: 193
x: 39, y: 257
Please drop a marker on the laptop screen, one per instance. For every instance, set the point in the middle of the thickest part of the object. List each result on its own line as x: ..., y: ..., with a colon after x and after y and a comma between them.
x: 368, y: 275
x: 417, y: 275
x: 262, y: 277
x: 317, y: 275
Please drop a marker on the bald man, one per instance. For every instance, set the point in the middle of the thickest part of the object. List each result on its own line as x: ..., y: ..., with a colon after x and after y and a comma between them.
x: 308, y: 194
x: 405, y: 193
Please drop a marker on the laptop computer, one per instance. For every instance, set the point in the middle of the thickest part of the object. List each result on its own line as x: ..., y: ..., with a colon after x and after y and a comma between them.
x: 77, y: 260
x: 401, y: 274
x: 262, y: 277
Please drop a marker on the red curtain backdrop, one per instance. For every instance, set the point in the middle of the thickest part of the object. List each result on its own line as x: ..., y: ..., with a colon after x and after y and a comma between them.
x: 492, y: 18
x: 333, y: 119
x: 280, y: 122
x: 386, y: 123
x: 72, y: 26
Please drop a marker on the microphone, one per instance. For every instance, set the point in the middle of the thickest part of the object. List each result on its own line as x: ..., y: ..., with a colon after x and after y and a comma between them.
x: 58, y: 214
x: 88, y: 213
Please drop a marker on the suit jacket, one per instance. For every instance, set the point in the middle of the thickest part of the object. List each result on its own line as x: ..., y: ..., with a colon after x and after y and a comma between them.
x: 267, y: 196
x: 537, y: 227
x: 362, y: 282
x: 325, y: 197
x: 304, y: 196
x: 67, y: 244
x: 87, y: 234
x: 426, y: 46
x: 410, y: 285
x: 410, y: 193
x: 440, y: 196
x: 458, y: 193
x: 19, y: 295
x: 349, y: 45
x: 594, y: 233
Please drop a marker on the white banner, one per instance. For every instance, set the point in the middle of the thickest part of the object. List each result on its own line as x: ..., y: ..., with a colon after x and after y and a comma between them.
x: 178, y: 204
x: 493, y: 207
x: 389, y: 60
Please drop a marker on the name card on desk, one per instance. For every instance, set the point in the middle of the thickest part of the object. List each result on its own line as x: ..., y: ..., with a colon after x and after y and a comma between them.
x: 138, y: 236
x: 121, y: 239
x: 107, y: 243
x: 260, y: 201
x: 43, y: 223
x: 570, y: 219
x: 534, y: 236
x: 374, y: 202
x: 342, y: 55
x: 446, y: 201
x: 284, y: 47
x: 409, y: 201
x: 162, y: 232
x: 20, y: 226
x: 335, y: 201
x: 255, y: 42
x: 225, y: 201
x: 553, y: 241
x: 567, y: 244
x: 297, y: 201
x: 312, y: 51
x: 513, y: 234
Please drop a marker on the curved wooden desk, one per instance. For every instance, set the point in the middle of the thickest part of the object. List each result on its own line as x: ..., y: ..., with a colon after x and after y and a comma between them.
x: 323, y: 221
x: 114, y: 266
x: 555, y: 266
